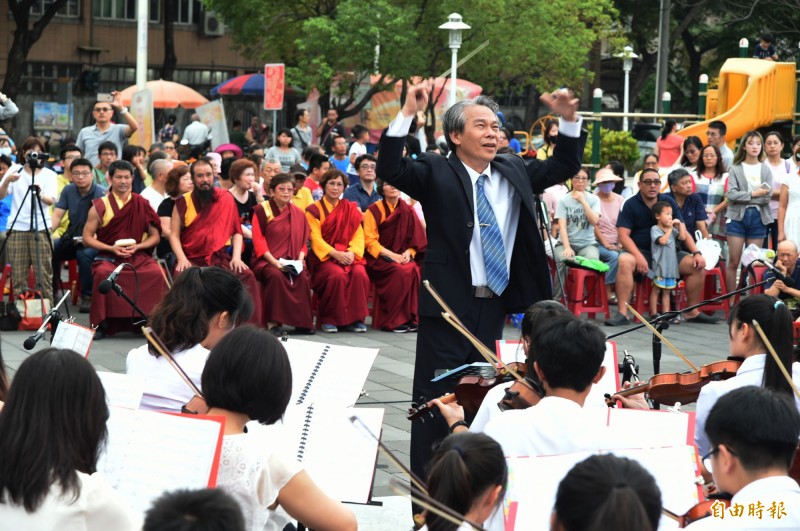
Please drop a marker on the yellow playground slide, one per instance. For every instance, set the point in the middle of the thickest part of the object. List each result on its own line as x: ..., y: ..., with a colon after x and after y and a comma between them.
x: 752, y: 93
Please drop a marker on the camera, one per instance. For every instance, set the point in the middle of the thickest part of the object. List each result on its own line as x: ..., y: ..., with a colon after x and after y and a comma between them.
x: 35, y: 160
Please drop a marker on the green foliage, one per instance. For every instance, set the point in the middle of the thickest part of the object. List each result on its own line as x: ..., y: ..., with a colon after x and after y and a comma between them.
x: 327, y: 43
x: 614, y: 145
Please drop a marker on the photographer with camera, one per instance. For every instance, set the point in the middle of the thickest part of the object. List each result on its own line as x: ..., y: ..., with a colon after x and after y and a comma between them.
x: 33, y: 188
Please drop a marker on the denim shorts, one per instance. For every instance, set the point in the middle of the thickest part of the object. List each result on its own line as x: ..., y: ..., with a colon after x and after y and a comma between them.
x: 750, y: 227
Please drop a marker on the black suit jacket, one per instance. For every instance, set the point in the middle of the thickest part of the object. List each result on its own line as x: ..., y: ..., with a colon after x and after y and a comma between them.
x: 445, y: 191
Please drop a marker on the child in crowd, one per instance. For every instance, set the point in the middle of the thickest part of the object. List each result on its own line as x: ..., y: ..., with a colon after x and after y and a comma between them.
x: 663, y: 237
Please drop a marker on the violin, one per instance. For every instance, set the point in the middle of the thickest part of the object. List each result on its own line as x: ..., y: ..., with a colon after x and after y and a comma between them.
x: 669, y: 388
x: 471, y: 390
x: 522, y: 395
x: 704, y: 509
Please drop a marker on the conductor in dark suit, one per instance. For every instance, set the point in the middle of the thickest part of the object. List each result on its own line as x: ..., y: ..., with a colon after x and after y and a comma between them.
x: 485, y: 255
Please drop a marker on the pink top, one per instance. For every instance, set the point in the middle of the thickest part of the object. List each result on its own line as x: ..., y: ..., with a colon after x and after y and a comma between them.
x: 669, y: 150
x: 609, y: 212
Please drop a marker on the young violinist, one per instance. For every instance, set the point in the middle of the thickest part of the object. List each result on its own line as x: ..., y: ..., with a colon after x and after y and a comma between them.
x: 758, y: 367
x: 248, y: 377
x: 567, y: 370
x: 468, y: 474
x: 607, y: 492
x: 753, y: 434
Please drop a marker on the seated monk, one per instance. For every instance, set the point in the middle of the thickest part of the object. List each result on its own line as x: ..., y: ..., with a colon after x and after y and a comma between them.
x: 280, y: 230
x: 336, y: 262
x: 205, y: 222
x: 394, y: 236
x: 123, y: 215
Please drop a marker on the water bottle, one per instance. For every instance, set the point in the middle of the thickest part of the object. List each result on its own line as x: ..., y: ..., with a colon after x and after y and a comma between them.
x: 754, y: 252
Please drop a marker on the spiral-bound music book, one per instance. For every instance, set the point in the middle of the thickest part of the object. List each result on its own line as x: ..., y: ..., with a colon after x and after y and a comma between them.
x: 327, y: 374
x: 149, y: 453
x: 339, y: 455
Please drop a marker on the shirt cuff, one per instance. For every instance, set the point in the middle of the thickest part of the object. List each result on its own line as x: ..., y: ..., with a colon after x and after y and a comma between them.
x: 570, y: 129
x: 399, y: 126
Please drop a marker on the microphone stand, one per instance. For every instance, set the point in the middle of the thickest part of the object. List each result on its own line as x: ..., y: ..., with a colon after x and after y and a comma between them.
x: 661, y: 322
x: 53, y: 314
x: 120, y: 293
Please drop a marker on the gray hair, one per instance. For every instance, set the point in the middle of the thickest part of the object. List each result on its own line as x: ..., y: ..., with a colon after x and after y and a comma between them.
x: 789, y: 242
x: 676, y: 175
x: 160, y: 166
x: 454, y: 119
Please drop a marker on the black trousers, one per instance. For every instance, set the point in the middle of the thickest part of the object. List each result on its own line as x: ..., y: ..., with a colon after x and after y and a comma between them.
x: 440, y: 346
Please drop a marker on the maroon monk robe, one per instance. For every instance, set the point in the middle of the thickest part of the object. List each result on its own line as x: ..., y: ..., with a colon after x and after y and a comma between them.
x: 397, y: 285
x: 146, y: 286
x: 205, y: 235
x: 341, y: 290
x: 286, y: 298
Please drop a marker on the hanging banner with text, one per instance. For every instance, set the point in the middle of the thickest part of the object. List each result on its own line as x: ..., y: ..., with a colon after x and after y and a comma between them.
x: 273, y: 86
x: 142, y: 110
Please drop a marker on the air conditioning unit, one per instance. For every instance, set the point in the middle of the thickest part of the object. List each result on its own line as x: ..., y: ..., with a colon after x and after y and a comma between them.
x: 211, y: 25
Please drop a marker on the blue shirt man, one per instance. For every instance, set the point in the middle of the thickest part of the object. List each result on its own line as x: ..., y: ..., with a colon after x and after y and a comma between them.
x: 363, y: 191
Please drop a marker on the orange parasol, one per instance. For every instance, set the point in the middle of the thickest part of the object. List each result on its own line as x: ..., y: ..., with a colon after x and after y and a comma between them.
x: 168, y: 95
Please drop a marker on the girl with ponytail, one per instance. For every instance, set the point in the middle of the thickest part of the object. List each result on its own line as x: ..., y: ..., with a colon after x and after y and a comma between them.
x: 468, y: 474
x: 758, y: 366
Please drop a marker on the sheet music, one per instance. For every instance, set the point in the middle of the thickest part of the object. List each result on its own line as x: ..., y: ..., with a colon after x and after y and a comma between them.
x: 338, y: 455
x: 73, y: 336
x: 328, y: 374
x: 510, y: 350
x: 149, y: 453
x: 295, y: 267
x: 653, y: 427
x: 674, y: 469
x: 122, y: 390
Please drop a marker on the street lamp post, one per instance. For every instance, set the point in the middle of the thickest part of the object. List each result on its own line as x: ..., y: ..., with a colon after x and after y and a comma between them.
x: 627, y: 64
x: 454, y: 25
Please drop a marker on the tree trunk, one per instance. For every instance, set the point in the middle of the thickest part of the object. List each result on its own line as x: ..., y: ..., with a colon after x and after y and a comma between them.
x: 170, y: 59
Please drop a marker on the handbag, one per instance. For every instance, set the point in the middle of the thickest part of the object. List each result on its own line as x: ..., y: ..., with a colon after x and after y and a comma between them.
x: 31, y: 309
x: 710, y: 249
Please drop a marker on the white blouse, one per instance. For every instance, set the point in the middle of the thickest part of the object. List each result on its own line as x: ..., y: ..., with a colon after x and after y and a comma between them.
x: 164, y: 389
x: 98, y: 508
x: 254, y: 474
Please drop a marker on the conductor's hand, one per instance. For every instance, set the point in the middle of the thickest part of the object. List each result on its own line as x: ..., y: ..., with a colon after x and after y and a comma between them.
x: 416, y: 99
x: 563, y: 102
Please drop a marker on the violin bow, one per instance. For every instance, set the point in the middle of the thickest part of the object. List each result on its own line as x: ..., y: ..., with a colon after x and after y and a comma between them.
x: 777, y: 359
x: 660, y: 336
x: 432, y: 505
x: 453, y: 319
x: 415, y: 481
x: 483, y: 349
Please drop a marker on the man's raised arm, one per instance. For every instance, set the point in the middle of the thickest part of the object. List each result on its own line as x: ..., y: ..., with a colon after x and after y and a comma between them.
x: 392, y: 167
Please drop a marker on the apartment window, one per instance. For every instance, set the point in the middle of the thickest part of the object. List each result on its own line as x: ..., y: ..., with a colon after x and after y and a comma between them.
x: 70, y: 10
x: 187, y: 12
x: 124, y: 10
x: 42, y: 78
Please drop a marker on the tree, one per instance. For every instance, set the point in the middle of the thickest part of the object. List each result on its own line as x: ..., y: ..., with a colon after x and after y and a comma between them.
x: 170, y: 59
x: 331, y: 44
x: 27, y: 30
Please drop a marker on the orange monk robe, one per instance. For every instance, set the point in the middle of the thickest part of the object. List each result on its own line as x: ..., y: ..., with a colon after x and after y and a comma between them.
x: 396, y: 229
x: 146, y: 286
x: 341, y: 290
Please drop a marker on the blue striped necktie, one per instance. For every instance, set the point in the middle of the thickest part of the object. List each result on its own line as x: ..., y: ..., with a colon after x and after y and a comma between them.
x: 494, y: 254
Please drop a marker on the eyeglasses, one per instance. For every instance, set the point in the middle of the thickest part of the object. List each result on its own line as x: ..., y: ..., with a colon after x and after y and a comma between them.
x: 706, y: 459
x: 102, y: 109
x: 169, y: 148
x: 284, y: 189
x: 367, y: 167
x: 81, y: 173
x: 651, y: 182
x: 580, y: 178
x: 337, y: 184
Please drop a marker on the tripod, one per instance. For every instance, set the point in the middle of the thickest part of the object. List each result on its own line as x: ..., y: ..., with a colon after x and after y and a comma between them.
x: 34, y: 193
x: 544, y: 223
